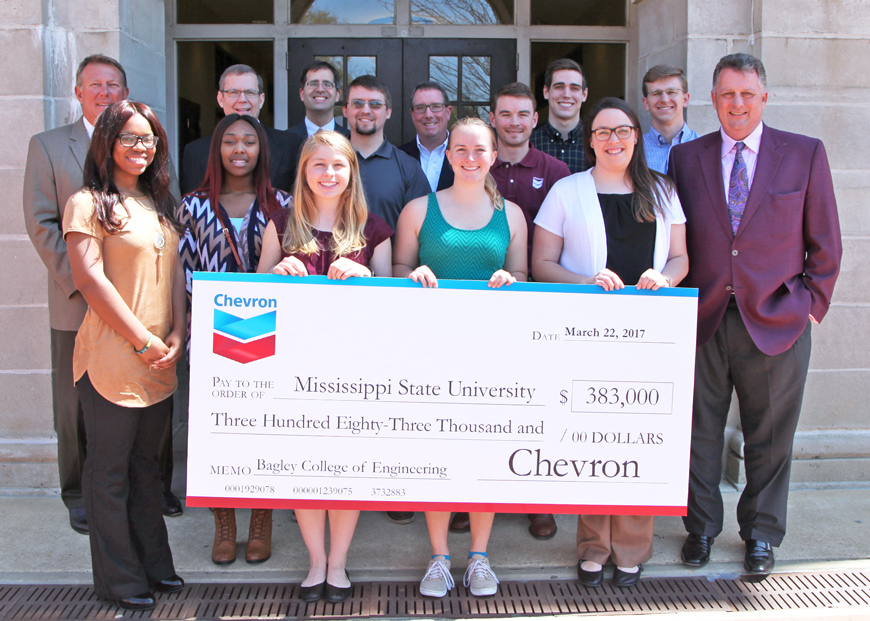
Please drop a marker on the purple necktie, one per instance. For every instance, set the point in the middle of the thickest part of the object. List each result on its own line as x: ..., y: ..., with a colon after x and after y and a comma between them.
x: 738, y: 189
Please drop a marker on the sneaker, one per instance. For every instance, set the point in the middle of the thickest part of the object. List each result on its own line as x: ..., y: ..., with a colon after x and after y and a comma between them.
x: 437, y: 580
x: 479, y: 577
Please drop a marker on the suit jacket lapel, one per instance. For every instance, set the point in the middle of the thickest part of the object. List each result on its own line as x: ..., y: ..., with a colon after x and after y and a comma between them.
x: 79, y: 142
x: 711, y: 161
x: 765, y: 170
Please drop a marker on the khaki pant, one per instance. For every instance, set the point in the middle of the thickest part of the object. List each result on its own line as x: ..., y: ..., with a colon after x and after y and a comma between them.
x: 625, y: 539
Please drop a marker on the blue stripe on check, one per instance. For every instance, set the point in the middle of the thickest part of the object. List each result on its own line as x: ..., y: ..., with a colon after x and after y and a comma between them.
x: 244, y: 329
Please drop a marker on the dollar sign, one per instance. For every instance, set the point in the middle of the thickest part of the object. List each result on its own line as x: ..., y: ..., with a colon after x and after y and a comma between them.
x: 564, y: 397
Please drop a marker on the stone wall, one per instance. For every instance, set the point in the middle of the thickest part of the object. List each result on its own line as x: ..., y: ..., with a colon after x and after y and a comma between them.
x: 813, y: 52
x: 42, y: 44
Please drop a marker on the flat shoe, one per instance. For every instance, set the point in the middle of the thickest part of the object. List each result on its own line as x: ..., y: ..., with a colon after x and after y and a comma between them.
x: 143, y: 601
x: 589, y: 578
x: 624, y: 579
x: 311, y: 593
x: 172, y: 584
x: 336, y: 594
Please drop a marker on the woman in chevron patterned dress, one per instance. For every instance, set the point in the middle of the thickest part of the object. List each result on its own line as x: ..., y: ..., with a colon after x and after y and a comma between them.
x: 464, y: 232
x: 224, y: 221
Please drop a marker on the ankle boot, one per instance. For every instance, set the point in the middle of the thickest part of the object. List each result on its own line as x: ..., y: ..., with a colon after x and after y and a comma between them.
x: 259, y: 536
x: 223, y: 551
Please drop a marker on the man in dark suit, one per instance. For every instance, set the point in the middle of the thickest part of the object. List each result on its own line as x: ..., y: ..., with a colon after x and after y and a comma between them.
x: 241, y: 92
x: 431, y: 114
x: 319, y: 90
x: 764, y: 251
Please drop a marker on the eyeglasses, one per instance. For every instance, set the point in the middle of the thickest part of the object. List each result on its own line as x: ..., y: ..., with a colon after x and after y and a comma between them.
x: 421, y: 108
x: 235, y: 93
x: 622, y: 132
x: 315, y: 84
x: 149, y: 141
x: 359, y: 104
x: 671, y: 92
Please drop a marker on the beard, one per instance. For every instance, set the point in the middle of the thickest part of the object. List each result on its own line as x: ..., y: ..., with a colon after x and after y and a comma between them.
x: 369, y: 131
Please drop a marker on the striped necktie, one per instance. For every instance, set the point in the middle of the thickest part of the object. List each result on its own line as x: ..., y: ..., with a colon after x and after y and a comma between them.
x: 738, y: 189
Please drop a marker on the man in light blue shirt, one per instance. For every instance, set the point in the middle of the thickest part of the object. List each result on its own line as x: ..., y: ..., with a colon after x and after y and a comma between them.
x: 665, y: 96
x: 431, y: 114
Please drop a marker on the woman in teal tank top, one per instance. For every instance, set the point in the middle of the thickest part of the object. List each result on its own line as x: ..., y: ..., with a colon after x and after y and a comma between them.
x: 465, y: 232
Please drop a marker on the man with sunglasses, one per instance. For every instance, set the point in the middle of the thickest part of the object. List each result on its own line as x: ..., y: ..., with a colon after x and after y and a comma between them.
x: 665, y: 97
x: 390, y: 177
x: 431, y: 115
x: 241, y: 92
x: 319, y: 90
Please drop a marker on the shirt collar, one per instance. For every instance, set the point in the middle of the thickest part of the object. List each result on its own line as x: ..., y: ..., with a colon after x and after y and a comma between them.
x: 529, y: 161
x: 575, y: 134
x: 385, y: 151
x: 311, y: 128
x: 751, y: 142
x: 440, y: 148
x: 88, y: 127
x: 678, y: 139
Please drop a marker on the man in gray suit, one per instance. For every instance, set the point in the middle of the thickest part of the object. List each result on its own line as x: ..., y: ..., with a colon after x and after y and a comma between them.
x: 54, y: 172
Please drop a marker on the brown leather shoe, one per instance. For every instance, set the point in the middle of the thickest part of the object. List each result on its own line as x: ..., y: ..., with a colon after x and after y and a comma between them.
x: 543, y: 526
x: 259, y: 547
x: 460, y: 523
x: 223, y: 551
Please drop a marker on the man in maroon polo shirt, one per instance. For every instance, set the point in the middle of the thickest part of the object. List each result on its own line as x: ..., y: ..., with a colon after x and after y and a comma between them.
x: 523, y: 174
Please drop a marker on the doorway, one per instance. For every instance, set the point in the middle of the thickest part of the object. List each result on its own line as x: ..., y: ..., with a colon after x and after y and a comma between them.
x: 471, y: 70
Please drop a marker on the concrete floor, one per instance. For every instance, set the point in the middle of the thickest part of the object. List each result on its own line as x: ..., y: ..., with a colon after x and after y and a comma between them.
x: 828, y: 530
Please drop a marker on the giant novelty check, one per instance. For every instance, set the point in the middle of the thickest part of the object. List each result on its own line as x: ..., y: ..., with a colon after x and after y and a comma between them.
x: 377, y: 393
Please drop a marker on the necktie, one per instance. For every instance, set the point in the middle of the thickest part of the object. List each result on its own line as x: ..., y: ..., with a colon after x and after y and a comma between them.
x: 738, y: 189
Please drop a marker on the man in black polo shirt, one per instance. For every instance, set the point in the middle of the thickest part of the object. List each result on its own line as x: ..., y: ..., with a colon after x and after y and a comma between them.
x: 390, y: 177
x: 562, y: 135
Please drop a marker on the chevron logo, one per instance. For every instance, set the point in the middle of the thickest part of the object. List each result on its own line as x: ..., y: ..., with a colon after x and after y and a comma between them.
x: 244, y: 339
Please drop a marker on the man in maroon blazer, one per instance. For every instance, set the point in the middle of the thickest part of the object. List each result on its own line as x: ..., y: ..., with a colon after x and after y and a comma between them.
x: 764, y: 252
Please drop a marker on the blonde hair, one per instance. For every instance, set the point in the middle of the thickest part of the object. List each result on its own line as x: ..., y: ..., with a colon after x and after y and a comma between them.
x: 471, y: 122
x: 347, y: 232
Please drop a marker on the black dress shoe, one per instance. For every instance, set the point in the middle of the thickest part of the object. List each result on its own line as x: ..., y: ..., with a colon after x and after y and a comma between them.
x: 336, y: 594
x: 400, y: 517
x: 542, y: 526
x: 589, y: 578
x: 145, y: 601
x: 311, y: 593
x: 624, y: 579
x: 171, y: 505
x: 460, y: 523
x: 696, y: 550
x: 78, y: 520
x: 172, y: 584
x: 759, y: 557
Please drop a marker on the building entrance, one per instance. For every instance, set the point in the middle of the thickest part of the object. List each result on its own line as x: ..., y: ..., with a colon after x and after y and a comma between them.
x: 470, y: 70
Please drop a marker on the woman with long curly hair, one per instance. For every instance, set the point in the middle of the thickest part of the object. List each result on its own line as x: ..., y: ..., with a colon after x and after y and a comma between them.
x: 121, y: 232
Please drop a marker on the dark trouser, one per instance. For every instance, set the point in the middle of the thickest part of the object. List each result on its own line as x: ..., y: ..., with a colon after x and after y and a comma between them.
x: 68, y: 423
x: 769, y: 391
x: 122, y: 494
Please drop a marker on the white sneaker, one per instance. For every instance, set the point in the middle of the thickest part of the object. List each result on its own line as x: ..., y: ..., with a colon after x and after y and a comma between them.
x: 437, y: 580
x: 479, y: 577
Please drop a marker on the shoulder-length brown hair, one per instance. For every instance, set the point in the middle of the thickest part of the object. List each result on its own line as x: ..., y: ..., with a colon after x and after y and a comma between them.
x: 347, y: 232
x: 214, y: 174
x: 651, y: 188
x: 99, y: 169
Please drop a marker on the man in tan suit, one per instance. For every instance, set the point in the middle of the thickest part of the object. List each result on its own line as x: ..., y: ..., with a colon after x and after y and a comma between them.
x: 55, y: 161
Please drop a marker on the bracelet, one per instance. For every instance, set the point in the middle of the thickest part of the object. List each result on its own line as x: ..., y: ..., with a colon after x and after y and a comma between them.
x: 147, y: 345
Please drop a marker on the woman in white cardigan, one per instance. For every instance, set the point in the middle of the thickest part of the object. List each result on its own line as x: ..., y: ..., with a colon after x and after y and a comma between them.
x: 617, y: 224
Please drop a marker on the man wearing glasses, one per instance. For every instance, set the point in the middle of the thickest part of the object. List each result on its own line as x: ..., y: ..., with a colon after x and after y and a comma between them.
x: 390, y: 177
x: 319, y: 89
x: 241, y: 92
x: 431, y: 114
x: 665, y: 96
